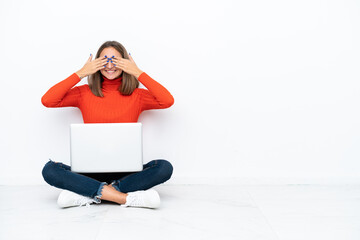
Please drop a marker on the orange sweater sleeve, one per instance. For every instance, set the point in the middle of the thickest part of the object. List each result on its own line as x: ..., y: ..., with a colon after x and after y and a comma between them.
x: 156, y: 96
x: 63, y: 94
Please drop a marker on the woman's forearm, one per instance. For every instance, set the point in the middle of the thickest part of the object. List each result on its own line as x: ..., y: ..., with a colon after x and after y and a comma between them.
x: 161, y: 94
x: 55, y: 95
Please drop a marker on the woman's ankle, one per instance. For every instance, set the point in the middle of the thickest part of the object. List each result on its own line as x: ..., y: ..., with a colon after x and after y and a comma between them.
x: 109, y: 193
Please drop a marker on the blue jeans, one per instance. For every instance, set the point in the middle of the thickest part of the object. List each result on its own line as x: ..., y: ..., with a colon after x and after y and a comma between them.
x: 60, y: 175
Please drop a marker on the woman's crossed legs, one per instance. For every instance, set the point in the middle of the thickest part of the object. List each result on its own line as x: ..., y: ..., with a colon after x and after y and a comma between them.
x: 60, y: 175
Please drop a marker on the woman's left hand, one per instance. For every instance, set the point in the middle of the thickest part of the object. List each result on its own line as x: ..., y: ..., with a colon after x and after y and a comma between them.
x: 127, y: 66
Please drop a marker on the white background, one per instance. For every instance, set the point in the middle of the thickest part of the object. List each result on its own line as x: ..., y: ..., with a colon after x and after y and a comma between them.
x: 265, y: 91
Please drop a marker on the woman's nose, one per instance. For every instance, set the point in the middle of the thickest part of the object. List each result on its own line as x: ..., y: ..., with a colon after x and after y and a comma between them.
x: 109, y: 64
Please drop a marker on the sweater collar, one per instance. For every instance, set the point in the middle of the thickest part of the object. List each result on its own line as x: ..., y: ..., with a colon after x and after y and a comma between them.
x: 112, y: 84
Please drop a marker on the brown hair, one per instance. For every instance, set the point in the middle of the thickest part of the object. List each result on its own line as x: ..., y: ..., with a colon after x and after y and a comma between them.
x: 129, y: 82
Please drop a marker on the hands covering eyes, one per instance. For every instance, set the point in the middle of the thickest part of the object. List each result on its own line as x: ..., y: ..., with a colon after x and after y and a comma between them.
x: 92, y: 66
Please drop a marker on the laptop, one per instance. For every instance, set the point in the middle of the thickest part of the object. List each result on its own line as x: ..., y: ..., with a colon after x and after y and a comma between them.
x: 106, y: 147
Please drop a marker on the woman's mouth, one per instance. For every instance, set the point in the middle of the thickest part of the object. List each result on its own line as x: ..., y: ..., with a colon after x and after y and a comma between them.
x: 110, y: 72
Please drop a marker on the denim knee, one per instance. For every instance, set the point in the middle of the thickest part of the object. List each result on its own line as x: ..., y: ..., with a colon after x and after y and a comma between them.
x: 49, y: 173
x: 165, y: 169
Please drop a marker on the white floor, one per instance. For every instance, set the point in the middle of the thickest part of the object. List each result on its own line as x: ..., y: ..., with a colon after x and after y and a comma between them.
x: 283, y: 212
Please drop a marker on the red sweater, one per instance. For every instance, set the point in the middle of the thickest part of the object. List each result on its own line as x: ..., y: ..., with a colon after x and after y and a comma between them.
x: 113, y: 107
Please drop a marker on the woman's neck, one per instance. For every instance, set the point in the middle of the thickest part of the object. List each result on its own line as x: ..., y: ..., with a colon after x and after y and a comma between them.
x: 111, y: 84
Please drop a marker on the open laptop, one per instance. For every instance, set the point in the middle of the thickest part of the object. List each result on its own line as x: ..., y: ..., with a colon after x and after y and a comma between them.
x: 106, y: 147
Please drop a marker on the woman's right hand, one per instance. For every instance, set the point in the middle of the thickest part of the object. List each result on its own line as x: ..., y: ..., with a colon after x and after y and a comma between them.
x: 91, y: 66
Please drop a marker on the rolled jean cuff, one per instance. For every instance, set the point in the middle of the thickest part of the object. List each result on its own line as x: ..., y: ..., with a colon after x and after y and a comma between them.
x: 115, y: 185
x: 99, y: 194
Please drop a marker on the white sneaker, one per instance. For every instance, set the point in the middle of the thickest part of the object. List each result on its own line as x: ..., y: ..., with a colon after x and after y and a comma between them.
x: 148, y: 199
x: 71, y: 199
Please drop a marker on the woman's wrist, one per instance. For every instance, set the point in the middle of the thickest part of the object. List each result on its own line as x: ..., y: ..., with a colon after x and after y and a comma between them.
x: 138, y: 73
x: 80, y: 74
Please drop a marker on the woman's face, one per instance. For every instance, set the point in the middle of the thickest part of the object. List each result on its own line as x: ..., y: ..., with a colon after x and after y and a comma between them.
x: 110, y: 71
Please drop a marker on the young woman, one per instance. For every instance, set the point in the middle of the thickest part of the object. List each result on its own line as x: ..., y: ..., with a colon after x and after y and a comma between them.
x: 112, y: 96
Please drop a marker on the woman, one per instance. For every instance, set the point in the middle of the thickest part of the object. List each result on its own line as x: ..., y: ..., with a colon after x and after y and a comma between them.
x: 112, y: 96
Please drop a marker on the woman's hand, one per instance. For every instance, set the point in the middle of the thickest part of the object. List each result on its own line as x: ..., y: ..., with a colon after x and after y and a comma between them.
x: 91, y: 66
x: 127, y: 66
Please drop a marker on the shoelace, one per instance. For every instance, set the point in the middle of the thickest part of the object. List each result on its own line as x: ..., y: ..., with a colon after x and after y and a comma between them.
x: 134, y: 201
x: 83, y: 201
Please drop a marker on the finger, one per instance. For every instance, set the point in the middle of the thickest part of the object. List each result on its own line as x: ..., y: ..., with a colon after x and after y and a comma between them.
x: 101, y: 58
x: 117, y: 61
x: 131, y: 59
x: 101, y: 61
x: 122, y: 61
x: 90, y: 58
x: 119, y: 64
x: 100, y: 67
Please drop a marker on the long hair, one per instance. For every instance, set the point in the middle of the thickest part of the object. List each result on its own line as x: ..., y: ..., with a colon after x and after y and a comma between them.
x: 129, y: 82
